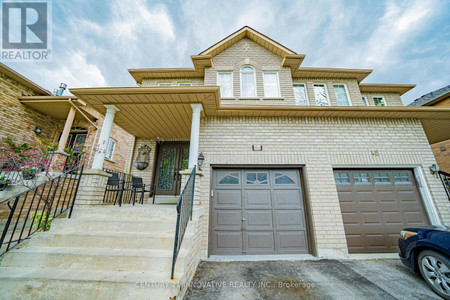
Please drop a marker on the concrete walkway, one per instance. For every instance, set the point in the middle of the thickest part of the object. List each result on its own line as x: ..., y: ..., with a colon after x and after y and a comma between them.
x: 319, y: 279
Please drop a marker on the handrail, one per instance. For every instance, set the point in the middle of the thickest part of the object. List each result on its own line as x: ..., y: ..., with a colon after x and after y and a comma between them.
x: 445, y: 179
x: 27, y: 215
x: 185, y: 206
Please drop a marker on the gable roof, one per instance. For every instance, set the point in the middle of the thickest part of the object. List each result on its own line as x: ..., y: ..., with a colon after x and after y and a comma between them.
x: 23, y: 80
x: 432, y: 97
x: 252, y: 34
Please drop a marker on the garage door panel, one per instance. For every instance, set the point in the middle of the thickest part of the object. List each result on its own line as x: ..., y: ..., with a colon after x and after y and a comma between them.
x: 257, y: 199
x: 228, y: 241
x: 257, y: 241
x: 292, y: 240
x: 287, y: 199
x: 289, y: 219
x: 258, y: 219
x: 375, y: 212
x: 257, y: 212
x: 227, y: 219
x: 228, y: 199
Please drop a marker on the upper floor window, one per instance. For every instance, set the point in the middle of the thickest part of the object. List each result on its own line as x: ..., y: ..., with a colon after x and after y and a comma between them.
x: 341, y: 94
x: 364, y: 100
x: 300, y: 95
x: 185, y: 84
x: 248, y: 82
x: 164, y: 84
x: 110, y: 149
x: 379, y: 101
x: 321, y: 94
x: 271, y: 85
x: 225, y: 83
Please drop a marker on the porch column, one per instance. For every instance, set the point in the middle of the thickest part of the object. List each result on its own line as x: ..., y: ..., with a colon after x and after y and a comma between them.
x: 195, y: 134
x: 66, y: 130
x: 100, y: 152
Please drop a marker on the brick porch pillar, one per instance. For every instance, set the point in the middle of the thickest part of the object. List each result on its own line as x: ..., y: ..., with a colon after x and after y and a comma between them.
x: 92, y: 188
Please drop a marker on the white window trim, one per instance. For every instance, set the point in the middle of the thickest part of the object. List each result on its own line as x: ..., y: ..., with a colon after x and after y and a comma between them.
x: 306, y: 92
x: 346, y: 91
x: 367, y: 100
x: 382, y: 97
x: 326, y: 91
x: 232, y: 81
x: 254, y: 80
x: 113, y: 151
x: 278, y: 85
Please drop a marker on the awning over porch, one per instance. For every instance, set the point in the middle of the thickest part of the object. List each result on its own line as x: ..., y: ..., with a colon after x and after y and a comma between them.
x: 166, y: 112
x: 152, y: 112
x: 57, y: 107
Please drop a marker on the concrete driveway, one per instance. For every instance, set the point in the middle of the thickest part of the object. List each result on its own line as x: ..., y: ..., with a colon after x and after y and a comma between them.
x: 319, y: 279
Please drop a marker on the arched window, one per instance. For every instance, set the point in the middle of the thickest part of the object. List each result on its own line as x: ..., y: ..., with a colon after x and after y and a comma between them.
x: 248, y: 82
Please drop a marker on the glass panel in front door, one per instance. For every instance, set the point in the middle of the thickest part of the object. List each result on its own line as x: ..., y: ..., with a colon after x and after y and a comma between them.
x: 184, y: 158
x: 166, y: 168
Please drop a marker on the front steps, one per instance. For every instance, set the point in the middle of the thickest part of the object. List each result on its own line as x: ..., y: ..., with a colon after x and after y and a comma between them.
x: 100, y: 253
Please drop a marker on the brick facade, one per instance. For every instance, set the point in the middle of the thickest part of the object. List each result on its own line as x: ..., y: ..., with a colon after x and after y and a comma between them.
x: 317, y: 145
x: 17, y: 121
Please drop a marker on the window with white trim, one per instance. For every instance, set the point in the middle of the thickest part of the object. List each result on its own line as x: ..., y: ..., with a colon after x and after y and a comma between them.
x: 164, y: 84
x: 248, y: 82
x: 341, y: 94
x: 321, y: 94
x: 364, y: 100
x: 185, y: 84
x: 225, y: 83
x: 110, y: 149
x: 300, y: 94
x: 379, y: 101
x: 271, y: 84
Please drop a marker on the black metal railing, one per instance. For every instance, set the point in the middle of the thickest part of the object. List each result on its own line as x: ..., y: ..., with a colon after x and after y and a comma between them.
x: 33, y: 210
x: 445, y: 179
x: 185, y: 205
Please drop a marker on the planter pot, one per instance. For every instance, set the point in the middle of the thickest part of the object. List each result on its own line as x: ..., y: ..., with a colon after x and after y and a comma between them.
x: 140, y: 165
x: 3, y: 186
x: 28, y: 176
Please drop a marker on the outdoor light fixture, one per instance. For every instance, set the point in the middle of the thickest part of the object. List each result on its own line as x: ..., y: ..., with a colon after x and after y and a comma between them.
x: 434, y: 168
x: 200, y: 160
x: 37, y: 130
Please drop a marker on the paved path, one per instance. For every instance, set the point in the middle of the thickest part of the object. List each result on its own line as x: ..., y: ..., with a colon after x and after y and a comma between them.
x: 319, y: 279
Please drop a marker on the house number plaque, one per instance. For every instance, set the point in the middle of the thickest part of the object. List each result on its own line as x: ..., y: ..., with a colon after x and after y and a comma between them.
x: 257, y: 147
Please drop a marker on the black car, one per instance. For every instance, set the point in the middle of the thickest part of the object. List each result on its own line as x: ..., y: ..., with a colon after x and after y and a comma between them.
x: 426, y: 250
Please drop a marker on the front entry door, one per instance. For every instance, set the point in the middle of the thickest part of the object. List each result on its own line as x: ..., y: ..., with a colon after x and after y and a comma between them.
x: 172, y: 158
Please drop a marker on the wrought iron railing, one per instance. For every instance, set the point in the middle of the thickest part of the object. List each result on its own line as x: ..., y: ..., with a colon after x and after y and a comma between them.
x: 445, y: 179
x: 33, y: 210
x: 185, y: 205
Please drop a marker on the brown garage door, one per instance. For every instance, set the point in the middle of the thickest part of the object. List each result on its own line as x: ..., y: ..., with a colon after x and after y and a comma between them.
x: 376, y: 205
x: 257, y: 212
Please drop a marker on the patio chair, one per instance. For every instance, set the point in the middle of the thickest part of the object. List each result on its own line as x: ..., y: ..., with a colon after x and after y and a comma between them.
x: 139, y: 188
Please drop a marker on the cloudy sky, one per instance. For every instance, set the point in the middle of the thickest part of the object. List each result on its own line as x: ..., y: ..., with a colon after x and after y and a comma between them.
x: 95, y: 42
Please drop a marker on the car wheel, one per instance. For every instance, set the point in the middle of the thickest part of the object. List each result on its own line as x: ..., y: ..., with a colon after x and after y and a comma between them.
x: 435, y: 269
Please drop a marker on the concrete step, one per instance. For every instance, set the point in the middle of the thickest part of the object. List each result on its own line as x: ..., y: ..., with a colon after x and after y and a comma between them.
x: 97, y: 259
x: 159, y: 199
x: 126, y: 212
x: 119, y: 240
x: 38, y: 283
x: 88, y: 225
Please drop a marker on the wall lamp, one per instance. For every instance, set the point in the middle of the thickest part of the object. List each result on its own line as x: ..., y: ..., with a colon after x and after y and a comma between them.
x: 200, y: 160
x: 37, y: 130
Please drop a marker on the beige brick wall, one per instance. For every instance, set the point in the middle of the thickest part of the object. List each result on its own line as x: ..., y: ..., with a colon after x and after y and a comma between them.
x: 147, y: 174
x: 247, y: 52
x: 392, y: 99
x: 18, y: 121
x: 319, y: 144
